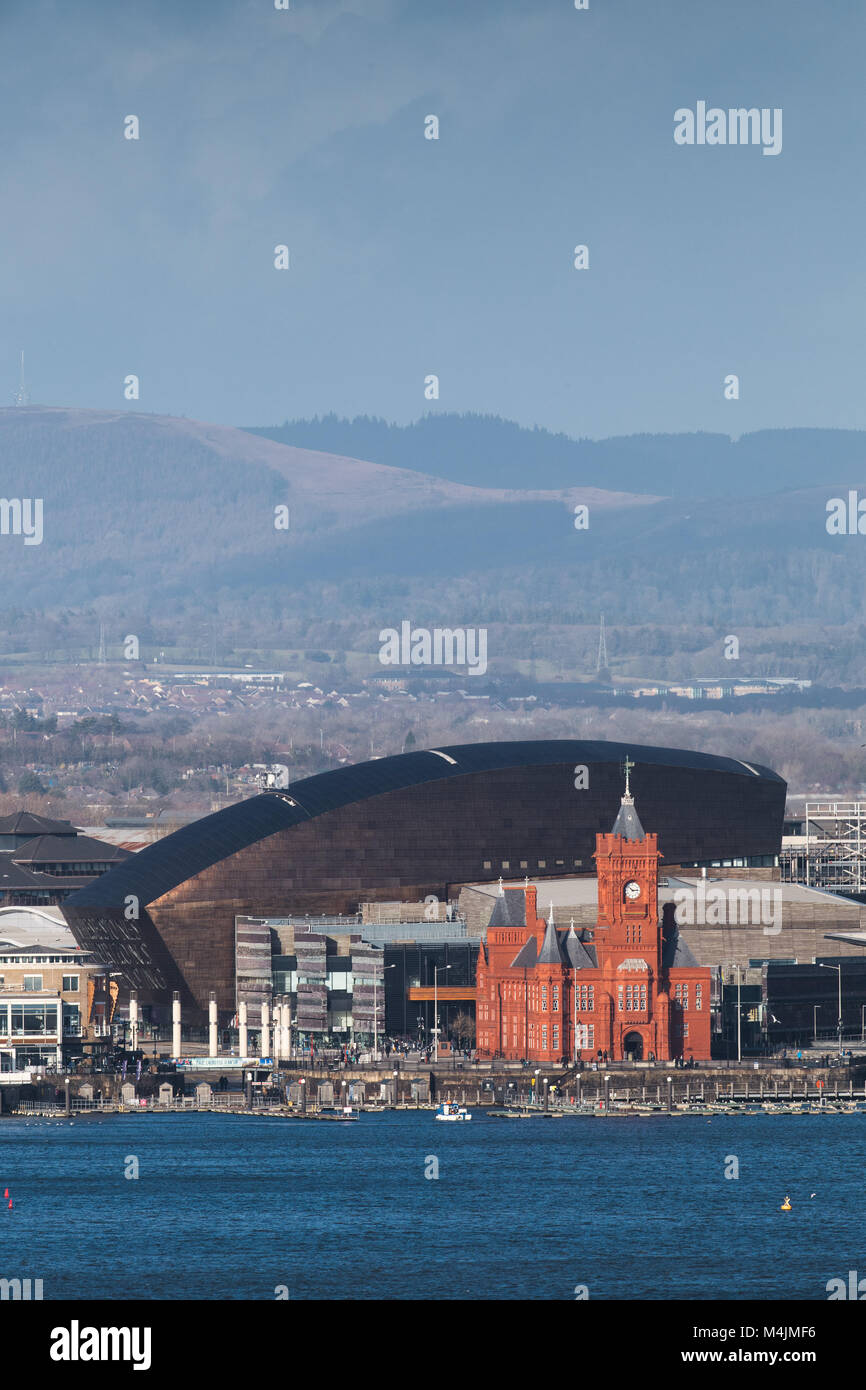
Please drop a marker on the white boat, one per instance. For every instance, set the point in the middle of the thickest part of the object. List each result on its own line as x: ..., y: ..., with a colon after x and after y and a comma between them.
x: 450, y: 1110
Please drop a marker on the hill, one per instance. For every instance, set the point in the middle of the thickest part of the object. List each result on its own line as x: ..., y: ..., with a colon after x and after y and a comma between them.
x: 485, y: 450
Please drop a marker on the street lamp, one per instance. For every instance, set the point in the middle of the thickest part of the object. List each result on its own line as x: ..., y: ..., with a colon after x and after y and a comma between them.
x: 731, y: 965
x: 815, y: 1008
x: 376, y: 1013
x: 821, y: 966
x: 436, y: 969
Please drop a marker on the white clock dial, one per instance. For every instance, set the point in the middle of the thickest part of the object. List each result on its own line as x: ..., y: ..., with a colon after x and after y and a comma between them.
x: 632, y: 890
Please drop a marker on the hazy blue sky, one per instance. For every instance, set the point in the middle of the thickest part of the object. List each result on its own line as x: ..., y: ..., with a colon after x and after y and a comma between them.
x: 411, y: 256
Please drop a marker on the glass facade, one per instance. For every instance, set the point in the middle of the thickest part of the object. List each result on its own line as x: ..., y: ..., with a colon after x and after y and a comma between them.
x: 20, y: 1020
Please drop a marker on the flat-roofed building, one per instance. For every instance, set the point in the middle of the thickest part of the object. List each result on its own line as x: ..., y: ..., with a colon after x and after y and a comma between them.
x: 47, y: 989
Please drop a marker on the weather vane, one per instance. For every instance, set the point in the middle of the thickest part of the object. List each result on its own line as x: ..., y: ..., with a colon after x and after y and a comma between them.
x: 627, y: 767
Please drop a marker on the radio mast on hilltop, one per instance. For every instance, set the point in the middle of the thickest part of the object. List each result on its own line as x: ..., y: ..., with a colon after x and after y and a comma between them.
x: 601, y: 663
x: 22, y: 395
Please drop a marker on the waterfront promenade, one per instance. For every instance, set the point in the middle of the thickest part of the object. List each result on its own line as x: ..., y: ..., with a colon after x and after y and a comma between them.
x: 308, y: 1093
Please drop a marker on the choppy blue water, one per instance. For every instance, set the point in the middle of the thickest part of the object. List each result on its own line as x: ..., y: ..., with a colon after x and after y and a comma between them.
x: 233, y: 1207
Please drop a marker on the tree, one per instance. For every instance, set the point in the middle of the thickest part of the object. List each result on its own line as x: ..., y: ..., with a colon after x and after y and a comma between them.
x: 463, y: 1029
x: 30, y: 785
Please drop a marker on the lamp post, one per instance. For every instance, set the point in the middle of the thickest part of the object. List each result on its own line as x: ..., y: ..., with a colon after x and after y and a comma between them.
x: 376, y: 1012
x: 574, y: 1028
x: 815, y: 1008
x: 862, y: 1035
x: 821, y: 966
x: 436, y: 969
x: 733, y: 965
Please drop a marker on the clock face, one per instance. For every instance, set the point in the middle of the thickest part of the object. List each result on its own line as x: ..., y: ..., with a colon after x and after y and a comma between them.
x: 632, y: 890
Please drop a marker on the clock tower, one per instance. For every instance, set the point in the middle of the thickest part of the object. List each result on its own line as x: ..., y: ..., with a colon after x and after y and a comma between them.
x: 628, y: 937
x: 627, y: 862
x: 625, y: 989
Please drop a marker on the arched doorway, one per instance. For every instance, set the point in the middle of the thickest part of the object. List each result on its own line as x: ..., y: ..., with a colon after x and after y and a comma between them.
x: 632, y: 1046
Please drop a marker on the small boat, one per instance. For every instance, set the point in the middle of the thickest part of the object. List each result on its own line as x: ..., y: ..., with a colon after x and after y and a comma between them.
x: 450, y: 1110
x: 348, y: 1113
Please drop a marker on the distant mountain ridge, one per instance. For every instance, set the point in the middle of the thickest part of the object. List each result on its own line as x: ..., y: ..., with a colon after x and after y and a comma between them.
x: 149, y: 504
x: 169, y: 515
x: 488, y: 451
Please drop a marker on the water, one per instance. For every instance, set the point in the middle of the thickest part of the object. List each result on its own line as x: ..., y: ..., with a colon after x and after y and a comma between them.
x: 230, y: 1207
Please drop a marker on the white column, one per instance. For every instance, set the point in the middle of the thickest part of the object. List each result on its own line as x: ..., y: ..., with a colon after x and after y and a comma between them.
x: 175, y: 1024
x: 242, y: 1029
x: 266, y: 1031
x: 213, y: 1039
x: 133, y: 1020
x: 285, y: 1027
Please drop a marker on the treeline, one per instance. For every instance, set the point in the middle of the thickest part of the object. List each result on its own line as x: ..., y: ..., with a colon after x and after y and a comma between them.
x: 487, y: 451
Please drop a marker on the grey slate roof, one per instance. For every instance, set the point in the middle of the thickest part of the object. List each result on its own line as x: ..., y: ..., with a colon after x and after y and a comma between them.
x: 675, y: 952
x: 527, y: 956
x: 14, y: 875
x: 579, y: 956
x: 550, y: 953
x: 627, y: 822
x: 26, y: 823
x: 69, y: 849
x: 510, y: 909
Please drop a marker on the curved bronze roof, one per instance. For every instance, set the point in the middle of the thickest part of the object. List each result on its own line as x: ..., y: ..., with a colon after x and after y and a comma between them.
x: 160, y: 867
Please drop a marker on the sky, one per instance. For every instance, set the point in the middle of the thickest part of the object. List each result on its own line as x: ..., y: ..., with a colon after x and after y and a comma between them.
x: 411, y: 257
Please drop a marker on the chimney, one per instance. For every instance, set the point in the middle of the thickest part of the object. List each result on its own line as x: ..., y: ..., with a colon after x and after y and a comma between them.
x: 531, y: 906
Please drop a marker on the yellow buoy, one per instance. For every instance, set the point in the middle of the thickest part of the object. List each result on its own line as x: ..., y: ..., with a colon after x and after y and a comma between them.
x: 786, y: 1205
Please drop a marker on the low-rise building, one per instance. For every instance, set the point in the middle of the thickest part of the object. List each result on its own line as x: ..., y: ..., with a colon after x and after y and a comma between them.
x: 48, y: 986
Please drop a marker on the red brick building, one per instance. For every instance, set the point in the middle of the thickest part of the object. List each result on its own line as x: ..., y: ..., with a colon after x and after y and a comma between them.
x: 630, y: 987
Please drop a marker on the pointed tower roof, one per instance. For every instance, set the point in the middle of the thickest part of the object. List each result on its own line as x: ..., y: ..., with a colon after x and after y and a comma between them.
x: 676, y: 952
x: 627, y: 822
x: 550, y: 953
x: 578, y: 955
